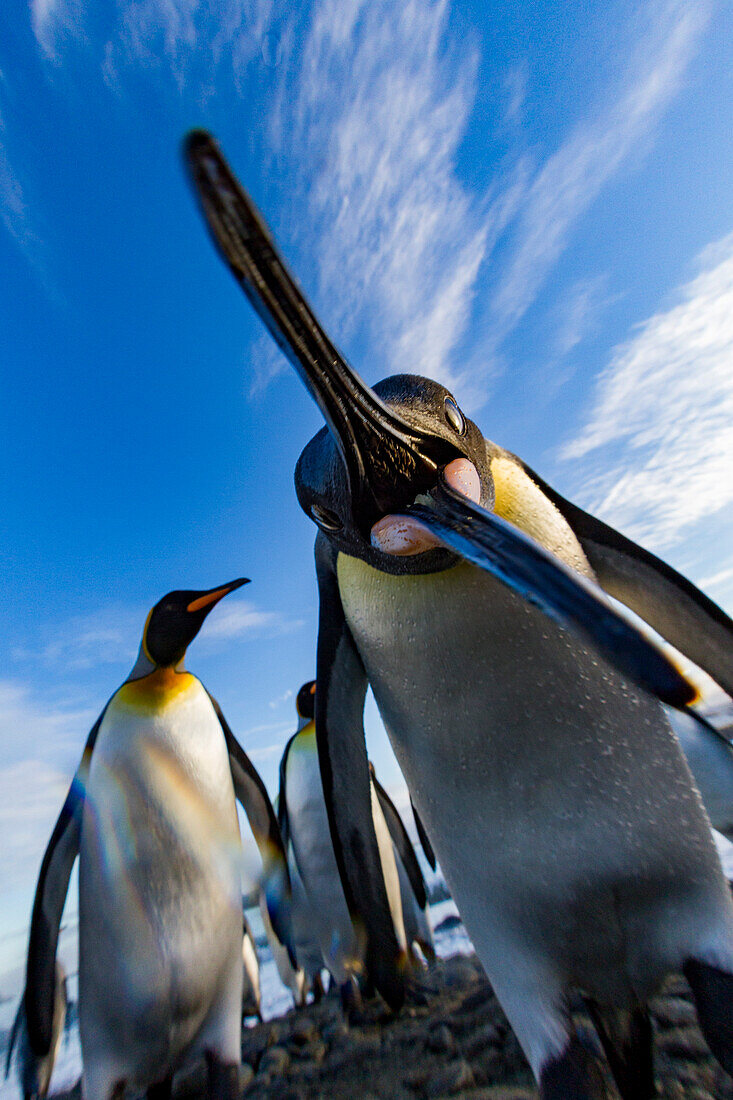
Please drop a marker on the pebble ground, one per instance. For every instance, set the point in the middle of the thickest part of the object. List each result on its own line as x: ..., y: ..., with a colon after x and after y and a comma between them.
x: 458, y: 1044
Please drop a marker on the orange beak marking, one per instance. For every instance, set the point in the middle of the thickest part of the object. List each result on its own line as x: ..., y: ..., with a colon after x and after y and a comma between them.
x: 211, y: 597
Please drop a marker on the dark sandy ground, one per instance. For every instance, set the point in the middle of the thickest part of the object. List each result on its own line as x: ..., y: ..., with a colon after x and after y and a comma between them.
x: 457, y: 1045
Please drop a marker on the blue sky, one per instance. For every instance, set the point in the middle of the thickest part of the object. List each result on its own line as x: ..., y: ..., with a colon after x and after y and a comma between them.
x: 529, y: 201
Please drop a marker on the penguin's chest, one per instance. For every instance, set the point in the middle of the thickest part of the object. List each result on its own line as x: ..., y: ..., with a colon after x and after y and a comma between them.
x: 160, y: 843
x: 495, y: 711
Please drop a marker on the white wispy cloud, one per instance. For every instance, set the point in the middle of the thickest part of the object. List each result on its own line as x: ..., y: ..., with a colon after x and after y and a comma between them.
x: 110, y: 635
x: 371, y: 106
x: 515, y: 90
x: 49, y: 20
x: 178, y: 35
x: 243, y: 618
x: 31, y: 795
x: 661, y: 424
x: 722, y: 578
x: 374, y: 119
x: 13, y: 203
x: 571, y: 179
x: 265, y: 362
x: 578, y: 314
x: 40, y: 746
x: 375, y: 115
x: 26, y: 722
x: 275, y: 703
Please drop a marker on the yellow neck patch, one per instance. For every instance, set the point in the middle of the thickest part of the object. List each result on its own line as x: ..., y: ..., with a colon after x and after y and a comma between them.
x: 309, y: 730
x: 161, y: 688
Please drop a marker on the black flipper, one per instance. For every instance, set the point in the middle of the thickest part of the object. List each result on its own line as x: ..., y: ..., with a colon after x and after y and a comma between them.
x: 13, y: 1037
x: 282, y: 801
x: 671, y: 604
x: 161, y: 1090
x: 254, y: 799
x: 424, y: 838
x: 340, y: 695
x: 572, y: 1075
x: 48, y: 906
x: 564, y: 595
x: 401, y: 841
x: 628, y: 1043
x: 222, y: 1079
x: 712, y: 989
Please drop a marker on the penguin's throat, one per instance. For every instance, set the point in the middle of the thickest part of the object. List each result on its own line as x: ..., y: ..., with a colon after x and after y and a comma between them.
x: 402, y: 535
x: 159, y: 689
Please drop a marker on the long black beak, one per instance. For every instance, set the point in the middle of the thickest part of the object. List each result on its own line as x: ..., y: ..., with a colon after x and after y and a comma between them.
x: 564, y: 595
x: 387, y: 460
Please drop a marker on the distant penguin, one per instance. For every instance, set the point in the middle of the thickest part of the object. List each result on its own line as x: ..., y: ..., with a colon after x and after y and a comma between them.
x: 304, y: 978
x: 152, y: 813
x: 34, y: 1073
x: 290, y: 972
x: 251, y: 975
x: 413, y: 890
x: 304, y: 820
x: 523, y: 707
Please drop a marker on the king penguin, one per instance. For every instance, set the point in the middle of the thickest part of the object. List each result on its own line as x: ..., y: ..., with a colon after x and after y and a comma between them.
x: 151, y: 812
x: 251, y: 993
x: 34, y: 1073
x: 413, y: 892
x: 523, y: 707
x: 304, y: 978
x: 304, y: 821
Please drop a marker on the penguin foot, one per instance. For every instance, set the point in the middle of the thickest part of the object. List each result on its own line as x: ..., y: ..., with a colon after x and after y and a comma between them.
x: 417, y: 994
x: 161, y: 1090
x: 628, y: 1044
x: 222, y: 1079
x: 712, y: 989
x: 351, y: 1002
x: 573, y: 1075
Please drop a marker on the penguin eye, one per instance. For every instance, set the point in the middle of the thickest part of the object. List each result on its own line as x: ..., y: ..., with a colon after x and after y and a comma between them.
x: 454, y: 416
x: 325, y: 519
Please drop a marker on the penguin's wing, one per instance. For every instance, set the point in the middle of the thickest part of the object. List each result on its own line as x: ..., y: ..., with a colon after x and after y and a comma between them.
x: 671, y: 604
x: 340, y: 693
x: 424, y: 838
x: 48, y: 906
x: 282, y: 800
x: 541, y: 577
x: 402, y: 842
x: 13, y: 1037
x: 251, y: 793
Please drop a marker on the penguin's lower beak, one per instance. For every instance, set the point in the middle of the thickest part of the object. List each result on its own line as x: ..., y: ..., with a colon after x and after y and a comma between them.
x: 390, y: 462
x: 387, y: 460
x: 208, y: 600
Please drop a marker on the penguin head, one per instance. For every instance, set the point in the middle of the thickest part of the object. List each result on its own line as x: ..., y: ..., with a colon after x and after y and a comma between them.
x: 389, y: 542
x: 385, y: 446
x: 174, y: 622
x: 305, y: 702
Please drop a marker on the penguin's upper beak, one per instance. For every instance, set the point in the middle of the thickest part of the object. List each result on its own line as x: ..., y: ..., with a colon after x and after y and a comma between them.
x: 389, y: 462
x: 206, y: 601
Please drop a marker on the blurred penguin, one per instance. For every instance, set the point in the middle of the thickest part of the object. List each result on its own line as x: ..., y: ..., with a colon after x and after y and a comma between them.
x: 303, y: 820
x: 34, y: 1074
x: 251, y: 976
